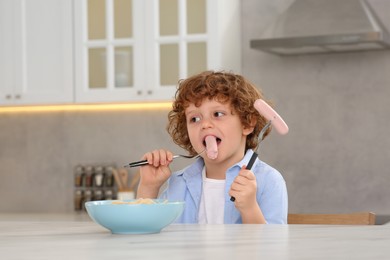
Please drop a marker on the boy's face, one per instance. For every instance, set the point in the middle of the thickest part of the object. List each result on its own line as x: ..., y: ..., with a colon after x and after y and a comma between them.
x: 216, y: 119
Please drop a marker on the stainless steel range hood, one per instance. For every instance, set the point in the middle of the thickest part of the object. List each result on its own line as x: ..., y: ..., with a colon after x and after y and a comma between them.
x: 323, y: 26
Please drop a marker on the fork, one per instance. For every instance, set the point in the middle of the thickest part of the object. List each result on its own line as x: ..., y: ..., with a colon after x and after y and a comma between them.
x: 145, y: 162
x: 254, y: 155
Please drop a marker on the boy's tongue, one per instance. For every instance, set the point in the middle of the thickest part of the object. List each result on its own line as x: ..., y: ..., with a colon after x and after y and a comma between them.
x: 211, y: 147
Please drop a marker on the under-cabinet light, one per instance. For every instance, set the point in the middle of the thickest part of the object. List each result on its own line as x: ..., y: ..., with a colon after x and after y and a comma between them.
x: 87, y: 107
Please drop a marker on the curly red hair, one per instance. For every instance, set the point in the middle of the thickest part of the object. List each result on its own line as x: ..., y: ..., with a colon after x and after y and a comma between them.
x: 223, y: 87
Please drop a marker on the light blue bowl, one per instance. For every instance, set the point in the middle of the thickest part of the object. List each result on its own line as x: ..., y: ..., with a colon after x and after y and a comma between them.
x: 134, y: 218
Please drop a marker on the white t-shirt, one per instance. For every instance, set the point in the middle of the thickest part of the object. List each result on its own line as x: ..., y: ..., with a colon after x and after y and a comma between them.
x: 212, y: 201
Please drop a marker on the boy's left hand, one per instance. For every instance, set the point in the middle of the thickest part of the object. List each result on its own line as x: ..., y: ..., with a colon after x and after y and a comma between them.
x: 243, y: 189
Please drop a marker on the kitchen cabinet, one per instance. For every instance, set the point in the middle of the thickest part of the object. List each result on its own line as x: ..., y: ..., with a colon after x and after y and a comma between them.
x: 137, y: 50
x: 36, y: 50
x: 80, y: 51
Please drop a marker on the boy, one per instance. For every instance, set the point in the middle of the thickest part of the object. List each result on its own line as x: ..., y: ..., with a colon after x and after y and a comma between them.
x: 217, y: 105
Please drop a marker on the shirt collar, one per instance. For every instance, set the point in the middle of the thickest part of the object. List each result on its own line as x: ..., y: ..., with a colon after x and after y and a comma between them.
x: 245, y: 159
x: 193, y: 169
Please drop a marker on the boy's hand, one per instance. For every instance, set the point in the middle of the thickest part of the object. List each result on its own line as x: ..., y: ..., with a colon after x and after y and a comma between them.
x: 154, y: 175
x: 243, y: 189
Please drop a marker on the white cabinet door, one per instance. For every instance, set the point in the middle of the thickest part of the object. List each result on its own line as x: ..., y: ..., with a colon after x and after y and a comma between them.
x: 109, y: 46
x: 40, y: 52
x: 7, y: 50
x: 137, y: 50
x: 190, y: 36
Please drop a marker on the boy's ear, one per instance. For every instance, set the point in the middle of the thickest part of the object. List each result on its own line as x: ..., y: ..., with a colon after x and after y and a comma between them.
x: 249, y: 130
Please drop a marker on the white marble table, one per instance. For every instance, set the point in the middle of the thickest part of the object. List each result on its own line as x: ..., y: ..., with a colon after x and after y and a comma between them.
x: 76, y: 237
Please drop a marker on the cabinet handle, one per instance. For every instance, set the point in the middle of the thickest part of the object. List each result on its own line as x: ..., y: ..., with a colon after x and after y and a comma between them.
x: 18, y: 96
x: 150, y: 92
x: 139, y: 92
x: 8, y: 96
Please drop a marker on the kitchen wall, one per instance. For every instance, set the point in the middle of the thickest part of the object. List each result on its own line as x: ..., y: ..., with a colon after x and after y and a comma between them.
x: 38, y: 152
x: 334, y: 158
x: 336, y: 155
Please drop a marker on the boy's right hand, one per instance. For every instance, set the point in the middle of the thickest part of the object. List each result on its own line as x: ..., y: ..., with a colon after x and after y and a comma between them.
x: 154, y: 174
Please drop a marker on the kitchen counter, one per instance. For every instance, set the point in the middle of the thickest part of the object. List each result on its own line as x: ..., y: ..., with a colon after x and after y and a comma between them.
x: 37, y: 236
x: 79, y: 216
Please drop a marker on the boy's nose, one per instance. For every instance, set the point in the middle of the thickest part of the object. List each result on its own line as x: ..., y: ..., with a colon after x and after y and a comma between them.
x: 207, y: 123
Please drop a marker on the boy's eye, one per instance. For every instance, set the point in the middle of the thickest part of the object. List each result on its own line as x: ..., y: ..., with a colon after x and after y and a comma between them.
x: 194, y: 119
x: 218, y: 114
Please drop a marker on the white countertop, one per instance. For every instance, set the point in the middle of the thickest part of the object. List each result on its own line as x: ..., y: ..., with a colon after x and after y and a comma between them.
x: 76, y: 237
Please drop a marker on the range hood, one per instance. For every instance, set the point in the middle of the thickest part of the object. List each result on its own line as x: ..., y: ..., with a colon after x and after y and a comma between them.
x: 324, y: 26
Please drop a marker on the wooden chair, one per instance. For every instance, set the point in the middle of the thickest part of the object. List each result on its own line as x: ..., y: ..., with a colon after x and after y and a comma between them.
x: 363, y: 218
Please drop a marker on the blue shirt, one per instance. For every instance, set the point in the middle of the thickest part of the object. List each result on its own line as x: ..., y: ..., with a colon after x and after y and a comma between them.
x: 186, y: 185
